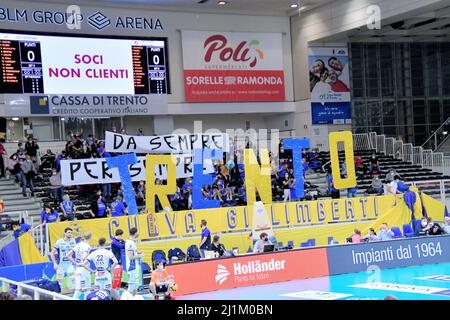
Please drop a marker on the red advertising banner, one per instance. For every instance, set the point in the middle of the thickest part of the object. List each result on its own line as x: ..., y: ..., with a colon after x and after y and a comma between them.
x: 249, y: 270
x: 231, y: 67
x: 232, y: 85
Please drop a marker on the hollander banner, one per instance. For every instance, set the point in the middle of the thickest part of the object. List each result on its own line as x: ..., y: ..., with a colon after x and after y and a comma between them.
x: 225, y: 66
x: 174, y: 143
x: 95, y: 171
x: 84, y: 105
x: 329, y: 85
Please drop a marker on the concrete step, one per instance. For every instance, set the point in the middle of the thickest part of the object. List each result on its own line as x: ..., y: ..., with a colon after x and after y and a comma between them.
x: 10, y: 182
x: 18, y: 201
x: 10, y: 192
x: 26, y: 207
x: 14, y: 196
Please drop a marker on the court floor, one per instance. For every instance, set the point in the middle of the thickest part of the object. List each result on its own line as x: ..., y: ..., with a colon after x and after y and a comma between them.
x: 430, y: 282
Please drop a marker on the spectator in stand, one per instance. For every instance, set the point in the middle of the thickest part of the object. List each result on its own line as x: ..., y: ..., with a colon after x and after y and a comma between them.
x: 218, y: 247
x: 356, y: 237
x: 118, y: 246
x: 14, y: 167
x: 187, y: 192
x: 359, y: 165
x: 392, y: 187
x: 21, y: 150
x: 327, y: 169
x: 47, y: 161
x: 376, y: 186
x: 28, y: 173
x: 57, y: 187
x: 77, y: 150
x: 205, y: 242
x: 372, y: 236
x: 68, y: 208
x: 374, y: 166
x: 50, y: 215
x: 306, y: 168
x: 2, y: 162
x: 391, y: 174
x: 335, y: 193
x: 98, y: 208
x: 436, y: 229
x: 286, y: 185
x: 117, y: 207
x: 20, y: 228
x: 259, y: 244
x: 424, y: 227
x: 385, y: 233
x: 140, y: 132
x: 59, y: 157
x: 176, y: 200
x: 31, y: 148
x: 242, y: 195
x: 446, y: 227
x: 351, y: 192
x: 91, y: 147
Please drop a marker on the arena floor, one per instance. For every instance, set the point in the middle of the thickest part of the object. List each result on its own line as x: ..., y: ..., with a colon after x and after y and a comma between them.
x: 430, y: 282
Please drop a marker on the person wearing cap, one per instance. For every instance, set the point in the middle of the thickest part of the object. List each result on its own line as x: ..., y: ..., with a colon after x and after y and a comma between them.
x: 259, y: 244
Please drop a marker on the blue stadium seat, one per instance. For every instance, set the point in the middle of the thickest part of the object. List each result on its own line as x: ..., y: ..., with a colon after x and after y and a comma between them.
x: 290, y: 244
x: 408, y: 231
x: 280, y: 244
x: 397, y: 232
x: 417, y: 226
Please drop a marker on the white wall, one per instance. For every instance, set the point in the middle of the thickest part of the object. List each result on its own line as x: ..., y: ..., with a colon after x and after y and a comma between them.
x: 220, y: 122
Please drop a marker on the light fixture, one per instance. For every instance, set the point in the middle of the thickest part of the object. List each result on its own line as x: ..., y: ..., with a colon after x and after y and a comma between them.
x: 222, y: 3
x: 15, y: 119
x: 294, y: 5
x: 445, y: 133
x: 62, y: 119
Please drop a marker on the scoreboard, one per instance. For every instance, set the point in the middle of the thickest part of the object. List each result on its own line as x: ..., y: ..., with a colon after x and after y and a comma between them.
x: 82, y: 65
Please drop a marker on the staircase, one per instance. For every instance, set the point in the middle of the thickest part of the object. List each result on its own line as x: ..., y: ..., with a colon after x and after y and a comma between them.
x: 16, y: 205
x: 444, y: 147
x: 439, y: 141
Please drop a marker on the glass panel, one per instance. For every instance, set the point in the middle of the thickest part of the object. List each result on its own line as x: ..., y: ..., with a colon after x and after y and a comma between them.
x: 81, y: 126
x: 106, y: 124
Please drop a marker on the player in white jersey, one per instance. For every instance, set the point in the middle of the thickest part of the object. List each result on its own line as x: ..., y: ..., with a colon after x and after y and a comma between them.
x: 63, y: 265
x: 132, y: 258
x: 101, y: 258
x: 82, y: 276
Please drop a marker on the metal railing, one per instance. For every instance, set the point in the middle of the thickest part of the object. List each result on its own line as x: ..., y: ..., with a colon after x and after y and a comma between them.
x: 38, y: 293
x: 439, y: 136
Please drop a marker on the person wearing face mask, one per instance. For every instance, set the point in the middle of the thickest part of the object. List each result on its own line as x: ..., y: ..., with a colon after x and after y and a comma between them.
x: 57, y: 187
x: 162, y: 282
x: 28, y: 172
x: 259, y: 244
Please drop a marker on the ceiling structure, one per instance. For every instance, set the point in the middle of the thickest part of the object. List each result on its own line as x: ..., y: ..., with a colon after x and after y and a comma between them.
x: 426, y: 26
x: 248, y: 7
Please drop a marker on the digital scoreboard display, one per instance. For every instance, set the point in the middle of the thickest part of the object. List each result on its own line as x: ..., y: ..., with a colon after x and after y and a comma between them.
x: 31, y: 63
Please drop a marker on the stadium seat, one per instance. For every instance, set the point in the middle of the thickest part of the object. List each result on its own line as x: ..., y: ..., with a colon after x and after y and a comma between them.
x: 397, y: 232
x: 408, y: 231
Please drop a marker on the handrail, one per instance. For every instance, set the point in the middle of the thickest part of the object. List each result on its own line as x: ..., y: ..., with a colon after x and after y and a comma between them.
x: 446, y: 122
x: 36, y: 291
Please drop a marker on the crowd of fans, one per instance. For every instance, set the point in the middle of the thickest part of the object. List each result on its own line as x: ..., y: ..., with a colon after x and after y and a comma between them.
x: 228, y: 185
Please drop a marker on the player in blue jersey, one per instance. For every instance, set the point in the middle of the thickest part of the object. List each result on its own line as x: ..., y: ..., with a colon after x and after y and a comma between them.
x: 101, y: 260
x: 132, y: 258
x: 82, y: 276
x: 62, y: 264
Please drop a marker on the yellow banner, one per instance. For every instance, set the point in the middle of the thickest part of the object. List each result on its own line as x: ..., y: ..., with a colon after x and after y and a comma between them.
x: 185, y: 223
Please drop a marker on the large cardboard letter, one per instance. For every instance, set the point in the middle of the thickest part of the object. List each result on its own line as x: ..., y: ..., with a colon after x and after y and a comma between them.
x: 296, y: 145
x: 257, y: 177
x: 200, y: 179
x: 347, y: 138
x: 161, y: 191
x: 122, y: 163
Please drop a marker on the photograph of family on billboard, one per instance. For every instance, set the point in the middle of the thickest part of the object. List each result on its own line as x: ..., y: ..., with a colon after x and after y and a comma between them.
x: 328, y: 74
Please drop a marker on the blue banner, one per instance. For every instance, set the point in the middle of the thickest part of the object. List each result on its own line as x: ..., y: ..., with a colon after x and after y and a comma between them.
x: 331, y: 113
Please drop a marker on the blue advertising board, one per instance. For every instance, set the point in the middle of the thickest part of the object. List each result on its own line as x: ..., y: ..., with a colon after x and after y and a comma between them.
x: 351, y: 258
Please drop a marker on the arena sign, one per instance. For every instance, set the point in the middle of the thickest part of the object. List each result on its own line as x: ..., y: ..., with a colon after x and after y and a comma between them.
x: 83, y: 105
x: 95, y: 171
x: 225, y: 66
x: 73, y: 17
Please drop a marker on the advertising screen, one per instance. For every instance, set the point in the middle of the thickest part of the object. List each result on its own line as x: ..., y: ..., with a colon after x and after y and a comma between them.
x: 32, y: 63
